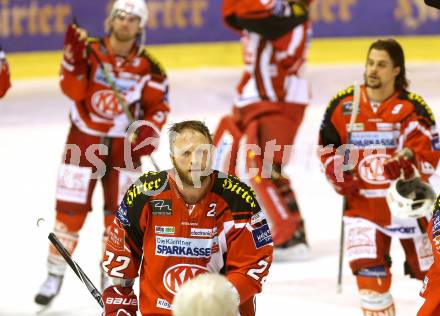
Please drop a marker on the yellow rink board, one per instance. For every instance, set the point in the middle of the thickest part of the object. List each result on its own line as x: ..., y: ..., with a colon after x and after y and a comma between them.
x: 228, y: 54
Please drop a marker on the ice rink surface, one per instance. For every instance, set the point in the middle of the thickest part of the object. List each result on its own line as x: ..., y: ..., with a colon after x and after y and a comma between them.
x: 33, y: 127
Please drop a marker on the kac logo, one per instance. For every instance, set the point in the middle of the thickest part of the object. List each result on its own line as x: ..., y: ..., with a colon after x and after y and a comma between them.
x: 176, y: 275
x: 106, y: 104
x: 371, y: 169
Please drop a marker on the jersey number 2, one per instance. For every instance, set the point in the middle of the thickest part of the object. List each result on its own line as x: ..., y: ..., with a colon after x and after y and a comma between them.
x: 211, y: 212
x: 254, y: 273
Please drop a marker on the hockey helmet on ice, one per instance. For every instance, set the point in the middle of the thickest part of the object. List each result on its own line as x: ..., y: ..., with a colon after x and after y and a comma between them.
x: 134, y: 7
x: 411, y: 198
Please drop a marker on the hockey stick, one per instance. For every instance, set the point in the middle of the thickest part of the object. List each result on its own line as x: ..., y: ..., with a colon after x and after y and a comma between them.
x: 354, y: 111
x: 115, y: 90
x: 117, y: 93
x: 76, y: 268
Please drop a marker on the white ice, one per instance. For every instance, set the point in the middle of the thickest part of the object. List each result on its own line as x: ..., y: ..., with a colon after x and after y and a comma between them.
x: 33, y: 127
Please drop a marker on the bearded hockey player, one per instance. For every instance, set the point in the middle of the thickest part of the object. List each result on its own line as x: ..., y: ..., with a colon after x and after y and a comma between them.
x: 176, y: 224
x: 389, y: 123
x: 111, y: 82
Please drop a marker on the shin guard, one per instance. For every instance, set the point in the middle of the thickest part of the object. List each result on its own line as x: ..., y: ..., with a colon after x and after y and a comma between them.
x: 283, y: 222
x: 374, y: 290
x: 67, y: 229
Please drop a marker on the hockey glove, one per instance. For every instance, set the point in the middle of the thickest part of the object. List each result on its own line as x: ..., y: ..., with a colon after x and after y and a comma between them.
x: 298, y: 9
x: 400, y: 163
x: 75, y: 54
x: 344, y: 182
x: 119, y: 301
x: 144, y: 141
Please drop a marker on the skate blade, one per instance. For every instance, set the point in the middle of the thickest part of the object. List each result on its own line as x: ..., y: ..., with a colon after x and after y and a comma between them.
x: 41, y: 310
x: 298, y: 252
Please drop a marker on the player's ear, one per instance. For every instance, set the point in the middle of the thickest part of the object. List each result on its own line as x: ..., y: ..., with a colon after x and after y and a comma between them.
x: 397, y: 71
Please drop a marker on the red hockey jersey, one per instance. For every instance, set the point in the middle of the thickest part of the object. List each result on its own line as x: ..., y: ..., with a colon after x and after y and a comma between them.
x: 273, y: 68
x: 431, y: 288
x: 5, y: 82
x: 114, y: 86
x: 403, y: 120
x: 154, y: 231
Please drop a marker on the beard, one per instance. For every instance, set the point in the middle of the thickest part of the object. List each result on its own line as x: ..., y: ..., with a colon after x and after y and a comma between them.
x: 194, y: 179
x: 373, y: 83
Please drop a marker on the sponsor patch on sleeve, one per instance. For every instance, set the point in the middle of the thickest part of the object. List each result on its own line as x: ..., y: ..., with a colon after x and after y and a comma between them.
x: 262, y: 236
x: 436, y: 142
x: 116, y: 238
x: 121, y: 214
x: 436, y: 224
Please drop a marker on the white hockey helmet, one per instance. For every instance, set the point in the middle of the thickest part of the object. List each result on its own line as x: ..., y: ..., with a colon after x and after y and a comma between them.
x: 206, y: 294
x: 411, y: 198
x: 134, y: 7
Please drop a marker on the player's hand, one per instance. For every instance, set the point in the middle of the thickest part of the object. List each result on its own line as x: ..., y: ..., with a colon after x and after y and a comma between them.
x: 75, y: 54
x: 119, y: 301
x: 144, y: 141
x: 344, y: 182
x: 400, y: 163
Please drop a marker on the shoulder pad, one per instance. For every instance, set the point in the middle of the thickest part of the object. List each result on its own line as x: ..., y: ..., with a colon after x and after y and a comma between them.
x: 421, y: 107
x: 156, y: 66
x: 337, y: 98
x: 342, y: 94
x: 91, y: 40
x: 436, y: 206
x: 238, y: 196
x: 147, y: 185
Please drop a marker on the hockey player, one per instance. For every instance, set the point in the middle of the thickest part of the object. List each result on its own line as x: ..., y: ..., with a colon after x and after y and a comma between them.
x: 111, y: 82
x: 5, y: 82
x: 176, y: 224
x: 389, y: 119
x: 431, y: 287
x: 271, y: 94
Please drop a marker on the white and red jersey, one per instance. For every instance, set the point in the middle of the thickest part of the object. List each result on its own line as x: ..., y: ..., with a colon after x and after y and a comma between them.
x: 139, y: 81
x: 248, y: 8
x: 429, y: 161
x: 5, y: 81
x: 431, y: 287
x: 156, y: 232
x: 403, y: 120
x: 273, y: 68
